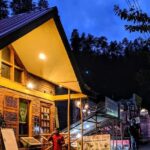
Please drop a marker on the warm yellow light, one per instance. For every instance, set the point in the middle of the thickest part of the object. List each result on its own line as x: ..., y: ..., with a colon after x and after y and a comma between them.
x: 78, y: 103
x: 60, y: 86
x: 42, y: 56
x: 86, y: 106
x: 30, y: 85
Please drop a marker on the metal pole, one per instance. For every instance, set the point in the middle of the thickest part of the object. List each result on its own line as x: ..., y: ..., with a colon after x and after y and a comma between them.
x: 121, y: 131
x: 116, y: 125
x: 113, y: 136
x: 81, y: 115
x: 68, y: 119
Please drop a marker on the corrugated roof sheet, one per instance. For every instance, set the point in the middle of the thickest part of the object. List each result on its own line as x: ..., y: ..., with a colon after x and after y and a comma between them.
x: 11, y: 24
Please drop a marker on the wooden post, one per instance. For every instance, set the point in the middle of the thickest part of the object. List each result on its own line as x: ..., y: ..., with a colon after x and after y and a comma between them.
x: 81, y: 115
x: 68, y: 119
x: 0, y: 62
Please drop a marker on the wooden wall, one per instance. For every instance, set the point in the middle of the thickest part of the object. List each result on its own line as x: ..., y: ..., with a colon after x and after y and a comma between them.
x: 41, y: 84
x: 9, y: 106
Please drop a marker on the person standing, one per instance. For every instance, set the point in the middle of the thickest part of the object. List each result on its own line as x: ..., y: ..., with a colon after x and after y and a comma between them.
x: 57, y: 140
x: 134, y: 131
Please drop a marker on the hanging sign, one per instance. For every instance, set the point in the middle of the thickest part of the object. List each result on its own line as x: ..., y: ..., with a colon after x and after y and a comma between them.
x: 95, y: 142
x: 111, y: 107
x: 23, y: 112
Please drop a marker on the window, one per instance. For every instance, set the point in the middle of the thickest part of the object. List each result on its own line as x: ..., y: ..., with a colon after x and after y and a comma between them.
x: 5, y: 71
x: 6, y: 54
x: 17, y: 76
x: 11, y: 66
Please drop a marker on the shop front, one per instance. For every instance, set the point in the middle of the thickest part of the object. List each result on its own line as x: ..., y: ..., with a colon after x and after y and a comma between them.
x: 35, y: 58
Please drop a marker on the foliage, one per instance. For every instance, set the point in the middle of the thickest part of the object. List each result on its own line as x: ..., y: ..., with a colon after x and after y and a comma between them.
x: 140, y: 20
x: 3, y: 9
x: 21, y: 6
x: 114, y: 69
x: 43, y: 4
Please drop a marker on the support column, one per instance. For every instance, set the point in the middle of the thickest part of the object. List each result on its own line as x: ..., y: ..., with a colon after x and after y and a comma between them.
x: 113, y: 136
x: 121, y: 132
x: 81, y: 115
x: 68, y: 117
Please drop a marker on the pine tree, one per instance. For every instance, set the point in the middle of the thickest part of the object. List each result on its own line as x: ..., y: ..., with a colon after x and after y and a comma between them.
x: 3, y: 9
x: 21, y: 6
x: 43, y: 4
x: 75, y: 40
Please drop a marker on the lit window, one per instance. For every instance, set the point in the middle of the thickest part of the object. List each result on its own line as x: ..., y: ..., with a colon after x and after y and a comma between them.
x: 5, y: 71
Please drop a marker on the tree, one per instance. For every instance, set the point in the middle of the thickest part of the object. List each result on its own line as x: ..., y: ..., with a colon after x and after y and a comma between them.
x: 3, y: 9
x: 75, y: 40
x: 21, y: 6
x: 140, y: 20
x: 43, y: 4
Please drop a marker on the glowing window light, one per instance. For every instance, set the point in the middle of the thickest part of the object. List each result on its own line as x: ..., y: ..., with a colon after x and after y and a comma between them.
x: 42, y: 56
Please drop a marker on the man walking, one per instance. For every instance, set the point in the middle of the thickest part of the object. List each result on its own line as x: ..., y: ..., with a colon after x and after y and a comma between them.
x: 57, y: 140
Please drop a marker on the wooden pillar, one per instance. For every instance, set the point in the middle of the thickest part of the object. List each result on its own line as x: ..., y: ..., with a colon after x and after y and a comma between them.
x: 0, y: 62
x: 81, y: 115
x: 68, y: 119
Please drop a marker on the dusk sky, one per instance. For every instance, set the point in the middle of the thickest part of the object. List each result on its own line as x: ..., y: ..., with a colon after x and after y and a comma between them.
x: 96, y: 17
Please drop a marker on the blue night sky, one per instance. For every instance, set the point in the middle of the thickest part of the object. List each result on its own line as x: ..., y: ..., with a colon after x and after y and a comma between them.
x: 95, y: 17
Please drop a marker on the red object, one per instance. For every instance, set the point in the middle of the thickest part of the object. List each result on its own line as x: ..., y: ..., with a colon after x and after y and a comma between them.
x: 57, y: 140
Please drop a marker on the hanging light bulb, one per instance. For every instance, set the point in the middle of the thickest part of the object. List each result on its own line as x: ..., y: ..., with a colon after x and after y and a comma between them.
x: 89, y: 112
x: 86, y: 106
x: 78, y: 103
x: 84, y: 110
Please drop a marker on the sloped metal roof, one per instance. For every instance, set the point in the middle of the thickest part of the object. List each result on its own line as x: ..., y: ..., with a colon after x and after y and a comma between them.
x: 10, y: 24
x: 12, y: 28
x: 24, y: 30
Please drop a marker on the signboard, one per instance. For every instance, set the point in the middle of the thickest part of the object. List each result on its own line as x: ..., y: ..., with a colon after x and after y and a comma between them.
x: 9, y: 139
x: 95, y: 142
x: 30, y: 141
x: 120, y: 145
x: 111, y: 107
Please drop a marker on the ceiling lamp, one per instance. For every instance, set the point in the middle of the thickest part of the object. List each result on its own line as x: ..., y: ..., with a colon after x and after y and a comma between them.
x: 42, y: 56
x: 30, y: 85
